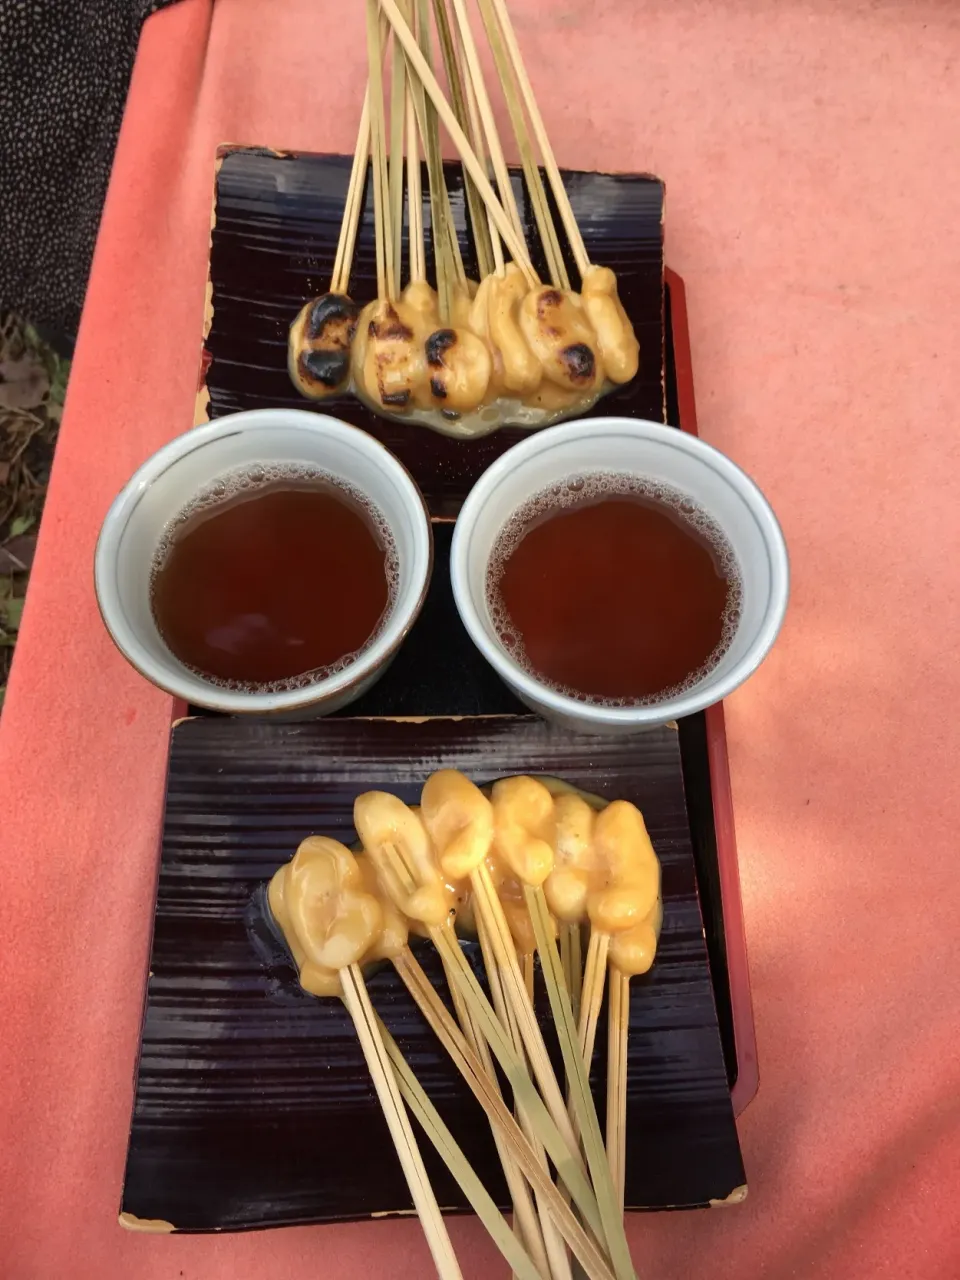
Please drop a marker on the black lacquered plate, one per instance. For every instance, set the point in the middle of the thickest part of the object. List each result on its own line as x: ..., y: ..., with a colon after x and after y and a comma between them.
x: 253, y: 1107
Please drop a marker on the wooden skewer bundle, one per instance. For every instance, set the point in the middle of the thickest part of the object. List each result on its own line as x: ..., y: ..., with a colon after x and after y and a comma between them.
x: 472, y: 355
x: 338, y: 911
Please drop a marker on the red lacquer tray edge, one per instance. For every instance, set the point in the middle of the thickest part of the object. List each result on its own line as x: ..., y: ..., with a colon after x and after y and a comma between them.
x: 738, y: 974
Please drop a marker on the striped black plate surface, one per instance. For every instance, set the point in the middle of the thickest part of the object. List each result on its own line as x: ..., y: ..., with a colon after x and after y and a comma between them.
x: 253, y: 1107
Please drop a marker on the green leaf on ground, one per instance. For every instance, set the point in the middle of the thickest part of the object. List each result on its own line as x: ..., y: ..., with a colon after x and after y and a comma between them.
x: 20, y: 524
x: 11, y: 611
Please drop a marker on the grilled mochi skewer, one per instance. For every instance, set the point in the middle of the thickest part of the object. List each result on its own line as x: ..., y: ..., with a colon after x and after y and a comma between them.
x: 322, y: 902
x: 334, y: 917
x: 318, y: 348
x: 459, y: 818
x: 528, y: 848
x: 476, y: 355
x: 422, y: 882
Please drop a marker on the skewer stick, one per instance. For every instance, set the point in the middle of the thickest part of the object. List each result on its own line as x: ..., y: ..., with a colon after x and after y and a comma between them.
x: 538, y: 196
x: 531, y: 1229
x: 386, y: 284
x: 618, y: 1025
x: 591, y: 998
x: 565, y: 1156
x: 497, y: 995
x: 578, y: 1079
x: 559, y: 1264
x: 416, y: 255
x: 450, y: 261
x: 449, y: 1151
x: 496, y: 246
x: 397, y: 122
x: 353, y: 204
x: 405, y: 36
x: 526, y: 968
x: 561, y: 1142
x: 572, y: 962
x: 426, y: 113
x: 525, y: 1217
x: 486, y: 115
x: 549, y: 160
x: 374, y: 1051
x: 470, y: 1067
x: 490, y: 913
x: 452, y: 66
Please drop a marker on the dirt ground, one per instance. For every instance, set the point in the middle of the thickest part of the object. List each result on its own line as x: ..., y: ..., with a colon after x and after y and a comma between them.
x: 33, y: 383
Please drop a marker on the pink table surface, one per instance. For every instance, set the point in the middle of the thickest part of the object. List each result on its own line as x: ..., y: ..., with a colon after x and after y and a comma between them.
x: 809, y: 151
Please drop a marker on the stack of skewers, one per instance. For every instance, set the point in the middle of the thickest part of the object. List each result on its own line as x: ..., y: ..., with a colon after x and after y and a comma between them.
x: 469, y: 355
x: 523, y: 866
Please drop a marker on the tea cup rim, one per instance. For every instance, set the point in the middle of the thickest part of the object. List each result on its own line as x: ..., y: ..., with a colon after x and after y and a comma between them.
x: 703, y: 694
x: 195, y: 689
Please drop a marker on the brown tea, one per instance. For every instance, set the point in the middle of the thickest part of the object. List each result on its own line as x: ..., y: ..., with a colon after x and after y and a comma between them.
x: 614, y: 589
x: 273, y: 577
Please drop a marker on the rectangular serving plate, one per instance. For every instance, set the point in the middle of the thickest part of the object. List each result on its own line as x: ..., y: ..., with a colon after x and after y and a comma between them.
x: 253, y: 1105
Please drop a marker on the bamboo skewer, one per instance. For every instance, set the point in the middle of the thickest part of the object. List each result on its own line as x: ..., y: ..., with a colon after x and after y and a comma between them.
x: 386, y: 284
x: 449, y: 1151
x: 495, y: 242
x: 415, y: 252
x: 591, y: 998
x: 491, y: 915
x: 476, y: 138
x: 526, y: 967
x: 618, y: 1024
x: 454, y: 70
x: 397, y: 123
x: 525, y: 1217
x: 546, y: 150
x: 560, y: 1142
x: 578, y: 1079
x: 485, y: 110
x: 566, y: 1157
x: 443, y: 33
x: 431, y: 87
x: 470, y: 1067
x: 353, y: 204
x: 538, y: 196
x: 443, y: 240
x: 374, y: 1051
x: 572, y: 961
x: 446, y: 243
x: 558, y: 1262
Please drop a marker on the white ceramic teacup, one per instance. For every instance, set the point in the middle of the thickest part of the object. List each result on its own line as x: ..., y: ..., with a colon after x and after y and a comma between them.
x: 632, y: 447
x: 163, y: 486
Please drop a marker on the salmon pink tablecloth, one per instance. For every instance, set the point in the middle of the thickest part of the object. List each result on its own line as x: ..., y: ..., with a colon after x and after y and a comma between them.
x: 810, y: 153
